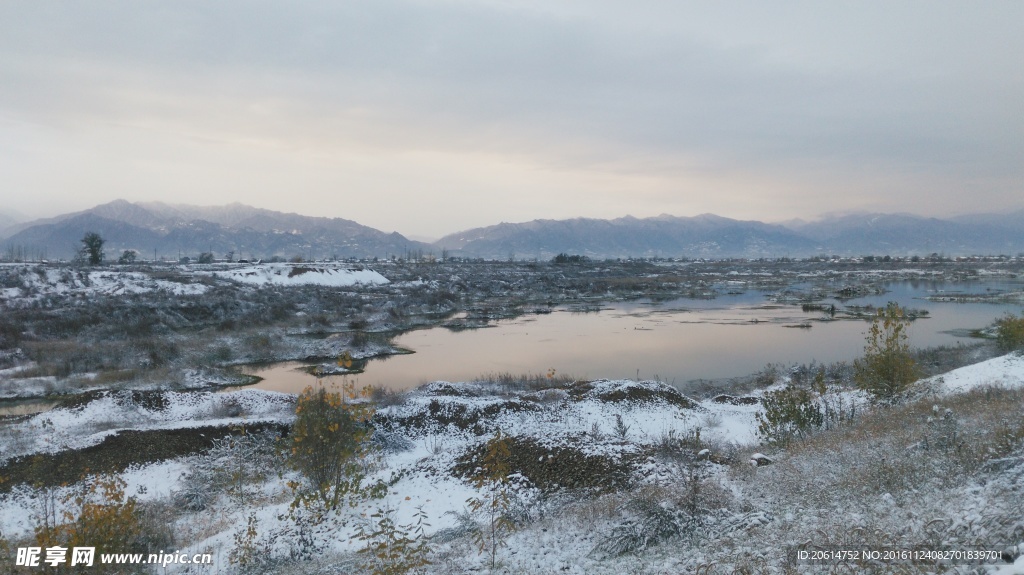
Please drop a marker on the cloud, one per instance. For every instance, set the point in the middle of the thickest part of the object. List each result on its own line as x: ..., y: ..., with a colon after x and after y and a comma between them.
x: 731, y: 107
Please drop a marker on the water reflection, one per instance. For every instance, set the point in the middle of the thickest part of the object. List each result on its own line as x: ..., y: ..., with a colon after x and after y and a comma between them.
x: 25, y: 407
x: 674, y: 341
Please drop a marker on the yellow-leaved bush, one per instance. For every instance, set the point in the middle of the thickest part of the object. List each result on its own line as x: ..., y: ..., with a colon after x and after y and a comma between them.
x: 330, y: 447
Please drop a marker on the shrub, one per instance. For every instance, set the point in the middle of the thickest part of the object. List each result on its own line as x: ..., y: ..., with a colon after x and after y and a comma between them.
x: 128, y: 257
x: 788, y: 413
x: 564, y: 258
x: 232, y: 466
x: 621, y: 429
x: 1010, y: 333
x: 653, y: 516
x: 329, y: 444
x: 96, y: 514
x: 652, y: 524
x: 835, y: 408
x: 4, y: 545
x: 887, y: 368
x: 221, y: 354
x: 261, y: 345
x: 252, y: 554
x: 319, y: 320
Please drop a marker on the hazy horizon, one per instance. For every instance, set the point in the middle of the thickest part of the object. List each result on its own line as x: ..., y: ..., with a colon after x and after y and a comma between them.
x: 433, y: 117
x: 434, y: 238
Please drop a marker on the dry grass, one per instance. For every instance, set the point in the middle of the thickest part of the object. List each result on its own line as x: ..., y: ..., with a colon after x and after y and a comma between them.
x: 589, y: 512
x: 385, y: 397
x: 895, y: 476
x: 511, y: 383
x: 109, y: 377
x: 898, y: 450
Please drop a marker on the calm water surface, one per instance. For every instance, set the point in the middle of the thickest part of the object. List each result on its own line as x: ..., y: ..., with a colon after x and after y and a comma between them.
x: 676, y: 341
x: 25, y: 407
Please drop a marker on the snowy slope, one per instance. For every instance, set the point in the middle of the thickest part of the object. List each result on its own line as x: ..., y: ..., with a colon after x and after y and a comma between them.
x: 439, y: 423
x: 1007, y: 371
x: 41, y: 281
x: 303, y: 274
x: 88, y: 424
x: 31, y: 282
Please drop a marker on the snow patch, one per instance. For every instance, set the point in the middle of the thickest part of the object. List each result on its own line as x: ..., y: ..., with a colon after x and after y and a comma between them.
x: 1006, y: 371
x: 303, y: 274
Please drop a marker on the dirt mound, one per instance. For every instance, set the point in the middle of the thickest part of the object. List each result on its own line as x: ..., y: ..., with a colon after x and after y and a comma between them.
x: 733, y: 400
x: 551, y: 468
x: 117, y: 453
x: 80, y: 399
x: 443, y: 412
x: 632, y: 391
x: 446, y: 389
x: 150, y: 400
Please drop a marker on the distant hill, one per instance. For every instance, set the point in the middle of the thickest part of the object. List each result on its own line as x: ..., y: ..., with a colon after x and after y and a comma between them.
x: 1013, y: 221
x: 711, y: 236
x: 903, y: 234
x: 707, y: 235
x: 169, y: 230
x: 7, y: 221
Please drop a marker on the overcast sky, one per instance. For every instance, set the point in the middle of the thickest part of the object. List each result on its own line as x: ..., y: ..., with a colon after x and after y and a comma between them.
x: 431, y: 117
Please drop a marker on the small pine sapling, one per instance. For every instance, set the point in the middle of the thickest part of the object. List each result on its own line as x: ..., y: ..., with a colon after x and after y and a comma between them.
x: 789, y: 413
x: 621, y: 429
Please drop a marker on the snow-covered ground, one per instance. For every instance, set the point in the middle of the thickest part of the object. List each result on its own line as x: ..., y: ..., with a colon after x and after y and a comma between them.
x: 86, y: 425
x: 44, y: 281
x: 1006, y: 371
x: 619, y: 424
x: 302, y: 274
x: 38, y: 281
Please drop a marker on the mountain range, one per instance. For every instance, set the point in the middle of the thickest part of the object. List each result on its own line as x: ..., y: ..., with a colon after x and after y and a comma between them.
x: 171, y: 231
x: 8, y: 220
x: 167, y: 230
x: 665, y: 236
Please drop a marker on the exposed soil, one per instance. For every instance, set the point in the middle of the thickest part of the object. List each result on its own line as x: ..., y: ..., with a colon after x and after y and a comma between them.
x: 552, y: 468
x: 633, y: 393
x: 734, y: 400
x: 117, y: 453
x: 449, y: 390
x: 150, y: 400
x: 440, y: 413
